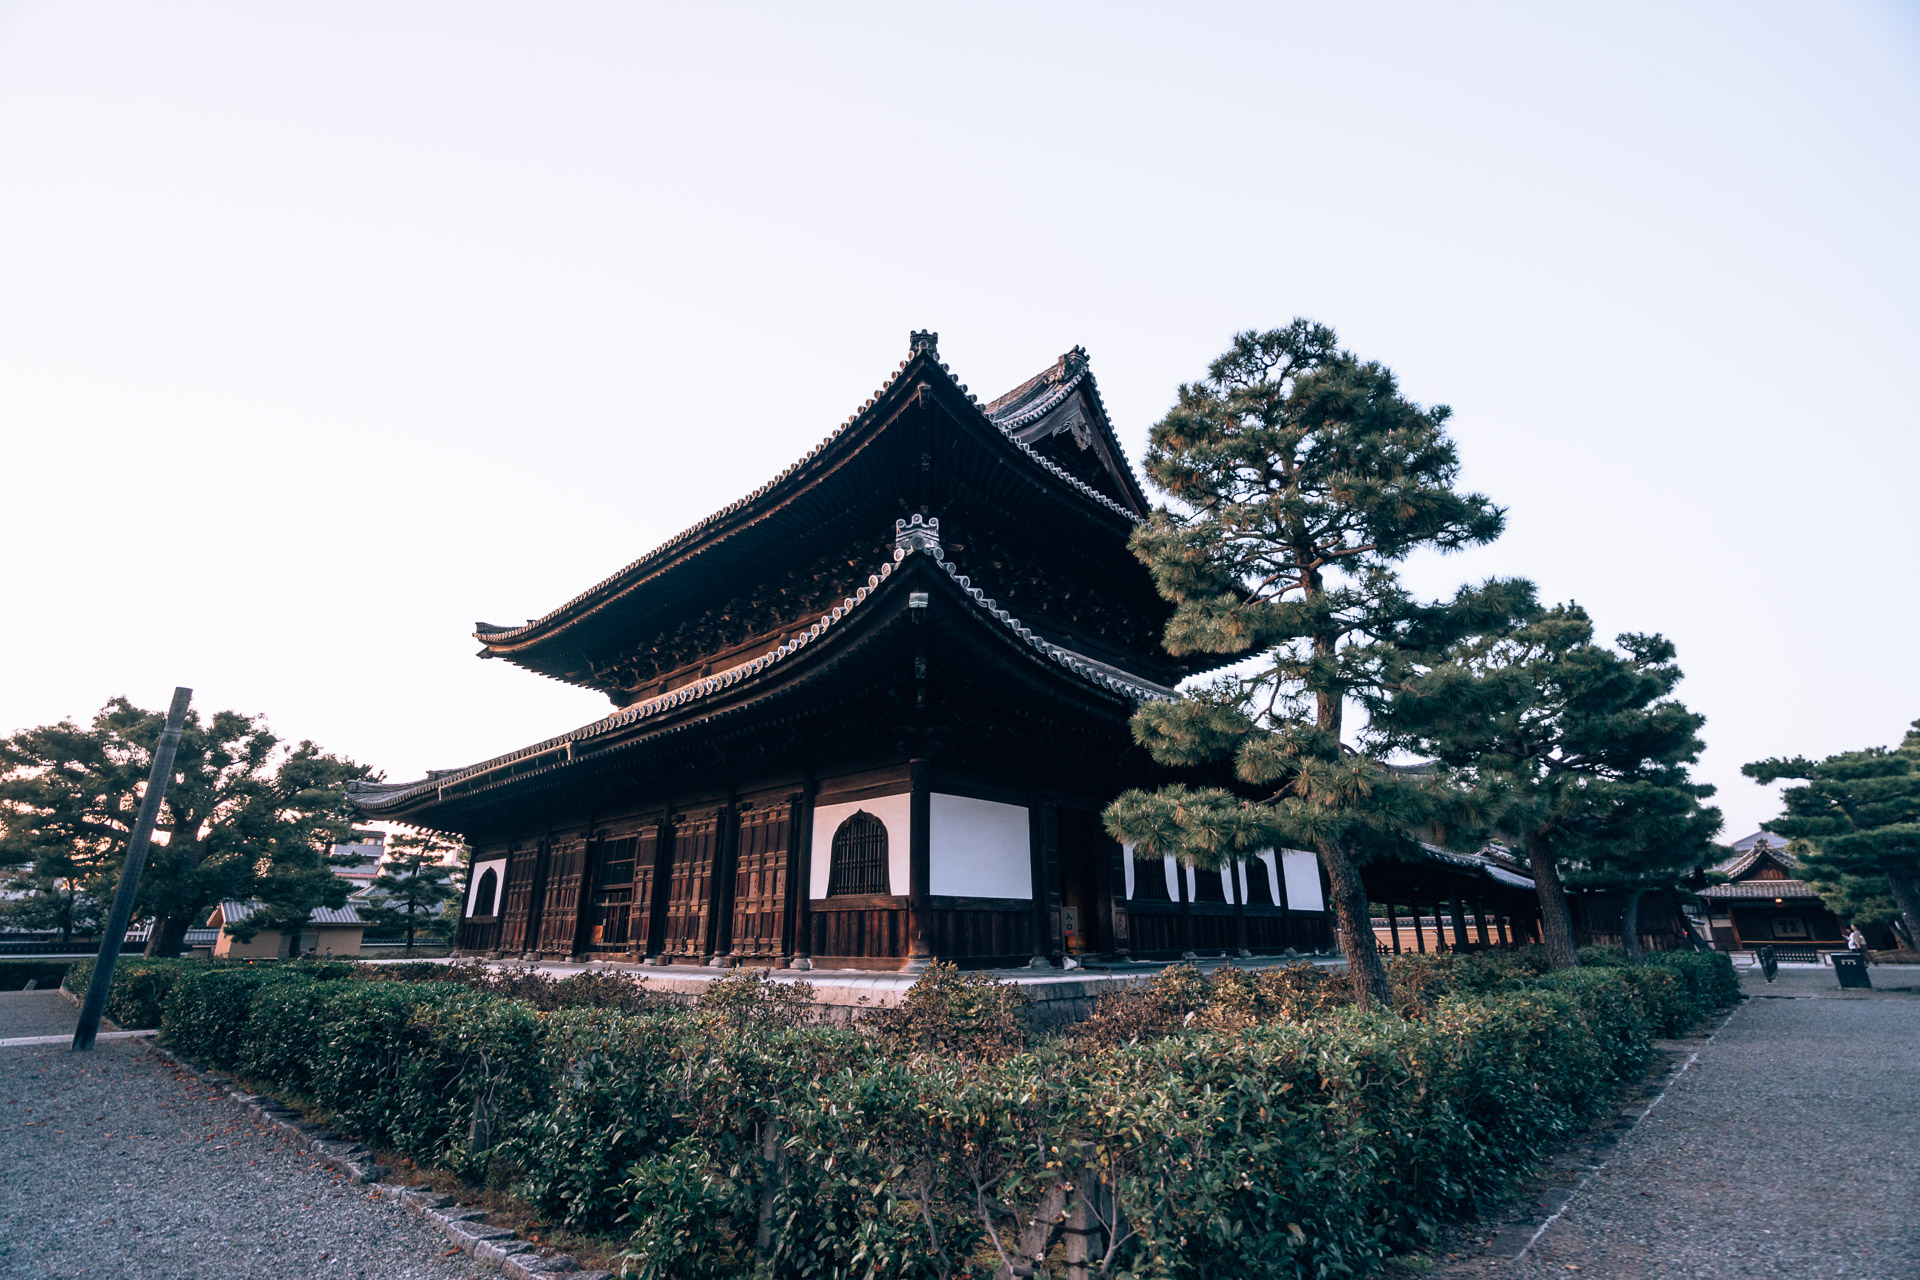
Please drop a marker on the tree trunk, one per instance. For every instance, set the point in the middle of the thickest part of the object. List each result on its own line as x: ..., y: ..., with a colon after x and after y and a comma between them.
x: 1556, y: 925
x: 1630, y: 924
x: 1906, y: 896
x: 1364, y: 970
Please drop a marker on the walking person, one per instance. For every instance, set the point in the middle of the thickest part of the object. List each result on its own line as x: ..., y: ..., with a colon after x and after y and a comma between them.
x: 1857, y: 943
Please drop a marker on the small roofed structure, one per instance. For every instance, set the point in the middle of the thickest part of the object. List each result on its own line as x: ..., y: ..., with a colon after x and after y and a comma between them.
x: 1764, y: 902
x: 329, y: 931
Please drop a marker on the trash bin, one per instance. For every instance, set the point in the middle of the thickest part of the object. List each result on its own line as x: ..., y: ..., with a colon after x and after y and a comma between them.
x: 1851, y: 968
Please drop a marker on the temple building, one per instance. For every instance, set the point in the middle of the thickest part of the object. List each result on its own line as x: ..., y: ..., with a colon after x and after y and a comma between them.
x: 1764, y: 902
x: 864, y: 717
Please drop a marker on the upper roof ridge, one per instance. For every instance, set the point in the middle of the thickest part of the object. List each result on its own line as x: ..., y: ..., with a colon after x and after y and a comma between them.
x: 922, y: 344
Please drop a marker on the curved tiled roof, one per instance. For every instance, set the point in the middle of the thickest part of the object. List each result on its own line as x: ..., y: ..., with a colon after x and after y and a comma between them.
x: 1072, y: 371
x: 1763, y: 889
x: 489, y: 633
x: 380, y: 796
x: 235, y: 912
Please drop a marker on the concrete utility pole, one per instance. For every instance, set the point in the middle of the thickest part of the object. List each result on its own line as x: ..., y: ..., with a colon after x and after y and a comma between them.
x: 116, y: 929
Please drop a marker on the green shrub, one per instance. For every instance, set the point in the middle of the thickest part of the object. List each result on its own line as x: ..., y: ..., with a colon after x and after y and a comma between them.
x: 207, y: 1014
x: 139, y: 988
x: 950, y: 1010
x: 1247, y: 1123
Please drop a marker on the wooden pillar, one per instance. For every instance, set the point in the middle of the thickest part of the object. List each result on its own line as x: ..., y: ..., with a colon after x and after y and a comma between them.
x: 800, y: 878
x: 1459, y: 924
x: 1040, y: 814
x: 726, y: 857
x: 1234, y: 871
x: 1393, y: 926
x: 660, y: 892
x: 1186, y: 910
x: 1419, y: 934
x: 1480, y: 923
x: 919, y: 867
x: 1114, y: 895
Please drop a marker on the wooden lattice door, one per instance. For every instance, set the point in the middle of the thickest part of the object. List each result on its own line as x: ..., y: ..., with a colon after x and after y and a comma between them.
x: 518, y: 903
x: 696, y: 841
x: 560, y: 908
x: 760, y: 882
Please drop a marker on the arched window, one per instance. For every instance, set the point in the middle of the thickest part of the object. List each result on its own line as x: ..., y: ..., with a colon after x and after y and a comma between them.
x: 859, y: 857
x: 484, y: 896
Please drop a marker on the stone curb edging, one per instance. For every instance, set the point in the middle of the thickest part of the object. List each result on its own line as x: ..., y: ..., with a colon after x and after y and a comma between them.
x: 465, y: 1228
x: 22, y: 1042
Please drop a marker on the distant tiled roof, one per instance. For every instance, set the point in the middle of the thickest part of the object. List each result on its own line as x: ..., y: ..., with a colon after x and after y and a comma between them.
x: 1484, y: 863
x: 1743, y: 863
x: 235, y: 912
x: 918, y: 537
x: 1765, y: 890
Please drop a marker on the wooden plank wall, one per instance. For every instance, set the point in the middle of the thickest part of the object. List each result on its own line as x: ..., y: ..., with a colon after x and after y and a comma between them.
x: 760, y: 882
x: 560, y: 907
x: 696, y: 841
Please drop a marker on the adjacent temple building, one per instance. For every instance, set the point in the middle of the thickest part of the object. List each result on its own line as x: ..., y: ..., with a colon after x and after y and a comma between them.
x: 865, y: 717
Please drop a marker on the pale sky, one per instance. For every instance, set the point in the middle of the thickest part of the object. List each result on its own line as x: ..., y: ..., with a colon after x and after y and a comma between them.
x: 326, y: 330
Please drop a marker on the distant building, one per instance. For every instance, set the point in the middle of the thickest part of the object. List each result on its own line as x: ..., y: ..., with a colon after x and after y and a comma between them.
x: 1765, y: 902
x: 369, y: 850
x: 329, y: 931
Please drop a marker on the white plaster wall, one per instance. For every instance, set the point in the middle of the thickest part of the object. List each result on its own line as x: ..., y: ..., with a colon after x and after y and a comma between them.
x: 1303, y: 880
x: 979, y: 849
x: 499, y: 868
x: 895, y: 812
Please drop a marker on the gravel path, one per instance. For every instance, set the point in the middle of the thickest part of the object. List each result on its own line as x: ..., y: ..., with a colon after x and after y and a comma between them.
x: 1787, y: 1151
x: 120, y: 1165
x: 36, y: 1013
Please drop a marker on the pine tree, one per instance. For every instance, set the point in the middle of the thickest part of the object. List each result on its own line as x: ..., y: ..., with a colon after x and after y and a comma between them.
x: 245, y: 817
x: 1658, y: 836
x: 1576, y: 754
x: 1300, y: 479
x: 1860, y: 812
x: 411, y: 887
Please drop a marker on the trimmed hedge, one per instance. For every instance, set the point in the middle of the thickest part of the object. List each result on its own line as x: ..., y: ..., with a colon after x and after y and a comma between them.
x: 1250, y: 1124
x: 139, y: 989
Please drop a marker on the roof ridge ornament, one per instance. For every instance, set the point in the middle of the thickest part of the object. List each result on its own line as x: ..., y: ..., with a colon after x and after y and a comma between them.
x: 926, y: 340
x: 922, y: 533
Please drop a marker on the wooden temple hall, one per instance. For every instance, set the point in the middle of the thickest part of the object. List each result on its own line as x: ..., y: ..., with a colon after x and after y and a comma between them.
x: 864, y: 717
